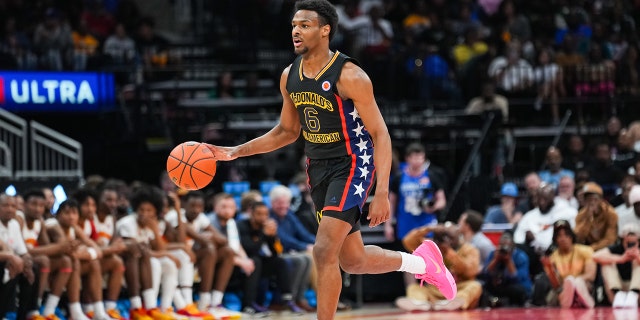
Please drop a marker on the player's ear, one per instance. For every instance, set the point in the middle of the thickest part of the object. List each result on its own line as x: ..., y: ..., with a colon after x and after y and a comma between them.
x: 326, y: 29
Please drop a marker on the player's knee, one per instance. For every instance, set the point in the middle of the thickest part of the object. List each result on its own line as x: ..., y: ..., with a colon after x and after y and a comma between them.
x: 352, y: 266
x: 43, y: 262
x: 94, y: 266
x: 66, y: 262
x: 324, y: 254
x: 227, y: 252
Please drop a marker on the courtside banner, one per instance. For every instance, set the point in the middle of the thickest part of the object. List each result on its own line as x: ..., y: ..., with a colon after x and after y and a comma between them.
x: 56, y: 91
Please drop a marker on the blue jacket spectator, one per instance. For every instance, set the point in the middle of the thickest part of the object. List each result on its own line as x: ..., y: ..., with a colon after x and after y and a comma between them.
x: 506, y: 274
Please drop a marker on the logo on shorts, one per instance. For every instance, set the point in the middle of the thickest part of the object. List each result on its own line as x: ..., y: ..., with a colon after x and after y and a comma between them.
x: 326, y: 86
x: 333, y: 200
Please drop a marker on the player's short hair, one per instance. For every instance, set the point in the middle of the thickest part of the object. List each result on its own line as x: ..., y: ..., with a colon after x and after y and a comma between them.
x: 33, y: 193
x: 81, y: 195
x: 147, y: 195
x: 195, y: 194
x: 474, y: 220
x: 325, y: 10
x: 67, y: 204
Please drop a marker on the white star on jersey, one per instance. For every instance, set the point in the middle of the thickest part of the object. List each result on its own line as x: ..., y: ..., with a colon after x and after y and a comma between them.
x: 364, y: 172
x: 359, y: 189
x: 354, y: 114
x: 365, y: 158
x: 358, y: 130
x: 362, y: 145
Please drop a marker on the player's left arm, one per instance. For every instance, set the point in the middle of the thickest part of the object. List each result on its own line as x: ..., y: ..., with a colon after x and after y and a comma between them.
x: 354, y: 84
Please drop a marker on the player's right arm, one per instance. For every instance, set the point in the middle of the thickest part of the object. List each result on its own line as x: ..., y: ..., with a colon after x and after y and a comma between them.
x: 284, y: 133
x: 51, y: 242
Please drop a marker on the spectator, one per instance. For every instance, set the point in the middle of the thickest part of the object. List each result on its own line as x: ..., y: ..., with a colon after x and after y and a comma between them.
x: 566, y: 192
x: 302, y: 204
x: 506, y: 211
x: 569, y: 272
x: 52, y: 40
x: 513, y: 75
x: 462, y: 259
x: 515, y: 26
x: 532, y: 185
x: 620, y: 267
x: 119, y: 46
x: 506, y: 274
x: 575, y: 158
x: 596, y: 78
x: 224, y: 86
x: 17, y: 45
x: 415, y: 195
x: 554, y: 171
x: 470, y: 226
x: 85, y: 46
x: 431, y: 72
x: 548, y: 77
x: 603, y: 172
x: 259, y: 238
x: 471, y: 47
x: 247, y: 199
x: 535, y: 228
x: 98, y: 21
x: 489, y: 101
x: 297, y: 244
x: 597, y: 222
x: 631, y: 213
x: 624, y: 156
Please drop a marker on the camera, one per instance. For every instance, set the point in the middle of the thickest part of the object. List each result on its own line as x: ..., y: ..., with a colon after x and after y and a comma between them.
x: 631, y: 244
x: 504, y: 249
x: 427, y: 203
x: 440, y: 236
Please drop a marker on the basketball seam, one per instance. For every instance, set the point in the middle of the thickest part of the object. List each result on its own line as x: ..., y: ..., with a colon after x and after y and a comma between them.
x: 179, y: 163
x: 187, y: 165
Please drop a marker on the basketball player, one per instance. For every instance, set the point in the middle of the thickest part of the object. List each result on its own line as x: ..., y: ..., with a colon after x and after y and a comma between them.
x: 17, y: 269
x: 86, y: 256
x: 328, y: 97
x: 51, y: 256
x: 101, y: 234
x: 214, y: 258
x: 140, y: 233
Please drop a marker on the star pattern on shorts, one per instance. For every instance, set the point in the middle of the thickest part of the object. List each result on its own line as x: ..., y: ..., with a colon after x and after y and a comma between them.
x: 358, y: 130
x: 365, y: 158
x: 354, y: 114
x: 359, y: 189
x: 362, y: 145
x: 364, y: 172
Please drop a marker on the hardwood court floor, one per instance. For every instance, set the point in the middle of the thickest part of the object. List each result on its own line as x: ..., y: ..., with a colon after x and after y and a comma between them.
x: 387, y: 312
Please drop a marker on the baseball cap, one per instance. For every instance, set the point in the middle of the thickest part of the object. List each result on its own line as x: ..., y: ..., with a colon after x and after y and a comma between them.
x: 634, y: 194
x: 592, y: 187
x: 562, y: 224
x: 509, y: 189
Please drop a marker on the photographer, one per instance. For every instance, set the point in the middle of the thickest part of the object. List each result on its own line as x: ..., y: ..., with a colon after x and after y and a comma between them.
x: 506, y: 275
x: 620, y: 267
x: 460, y: 257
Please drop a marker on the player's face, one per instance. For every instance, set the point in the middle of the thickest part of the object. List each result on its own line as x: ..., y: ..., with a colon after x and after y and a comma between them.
x: 146, y: 212
x: 110, y: 200
x: 306, y: 31
x: 67, y: 217
x: 193, y: 208
x: 8, y: 208
x: 226, y: 208
x: 34, y: 207
x: 88, y: 208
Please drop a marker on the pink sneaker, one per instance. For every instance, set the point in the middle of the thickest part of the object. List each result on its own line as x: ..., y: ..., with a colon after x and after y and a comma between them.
x: 436, y: 273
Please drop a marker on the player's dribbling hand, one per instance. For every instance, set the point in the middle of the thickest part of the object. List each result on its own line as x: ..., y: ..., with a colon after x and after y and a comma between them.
x: 379, y: 211
x: 221, y: 153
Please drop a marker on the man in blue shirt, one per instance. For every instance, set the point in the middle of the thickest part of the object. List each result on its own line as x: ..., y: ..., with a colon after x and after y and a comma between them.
x: 554, y: 172
x: 506, y: 211
x: 506, y: 274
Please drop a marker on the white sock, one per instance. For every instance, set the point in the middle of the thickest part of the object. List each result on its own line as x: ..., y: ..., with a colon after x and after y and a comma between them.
x: 99, y: 308
x: 150, y: 299
x: 136, y: 302
x: 110, y: 305
x: 76, y: 311
x: 87, y: 307
x: 187, y: 294
x: 178, y: 300
x: 50, y: 305
x: 216, y: 298
x: 412, y: 264
x: 205, y: 299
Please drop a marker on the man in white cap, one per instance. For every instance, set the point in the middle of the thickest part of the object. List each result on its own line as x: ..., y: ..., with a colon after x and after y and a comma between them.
x: 620, y: 267
x: 631, y: 216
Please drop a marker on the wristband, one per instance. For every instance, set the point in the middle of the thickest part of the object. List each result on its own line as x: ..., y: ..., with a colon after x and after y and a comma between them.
x: 93, y: 253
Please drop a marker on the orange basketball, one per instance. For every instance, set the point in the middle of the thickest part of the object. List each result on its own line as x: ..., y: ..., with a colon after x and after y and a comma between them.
x: 191, y: 165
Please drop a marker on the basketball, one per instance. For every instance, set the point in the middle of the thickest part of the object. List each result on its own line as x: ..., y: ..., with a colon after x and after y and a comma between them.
x: 191, y: 165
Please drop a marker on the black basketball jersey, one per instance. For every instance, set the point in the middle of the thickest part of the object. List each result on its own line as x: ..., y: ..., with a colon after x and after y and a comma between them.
x: 331, y: 127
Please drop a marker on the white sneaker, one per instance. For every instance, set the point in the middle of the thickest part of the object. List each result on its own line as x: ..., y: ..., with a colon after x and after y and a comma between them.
x: 446, y: 305
x: 631, y: 300
x: 222, y: 313
x: 408, y: 304
x: 619, y: 300
x: 583, y: 294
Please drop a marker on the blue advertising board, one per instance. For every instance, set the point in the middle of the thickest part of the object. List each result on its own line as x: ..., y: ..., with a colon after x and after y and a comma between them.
x: 56, y: 91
